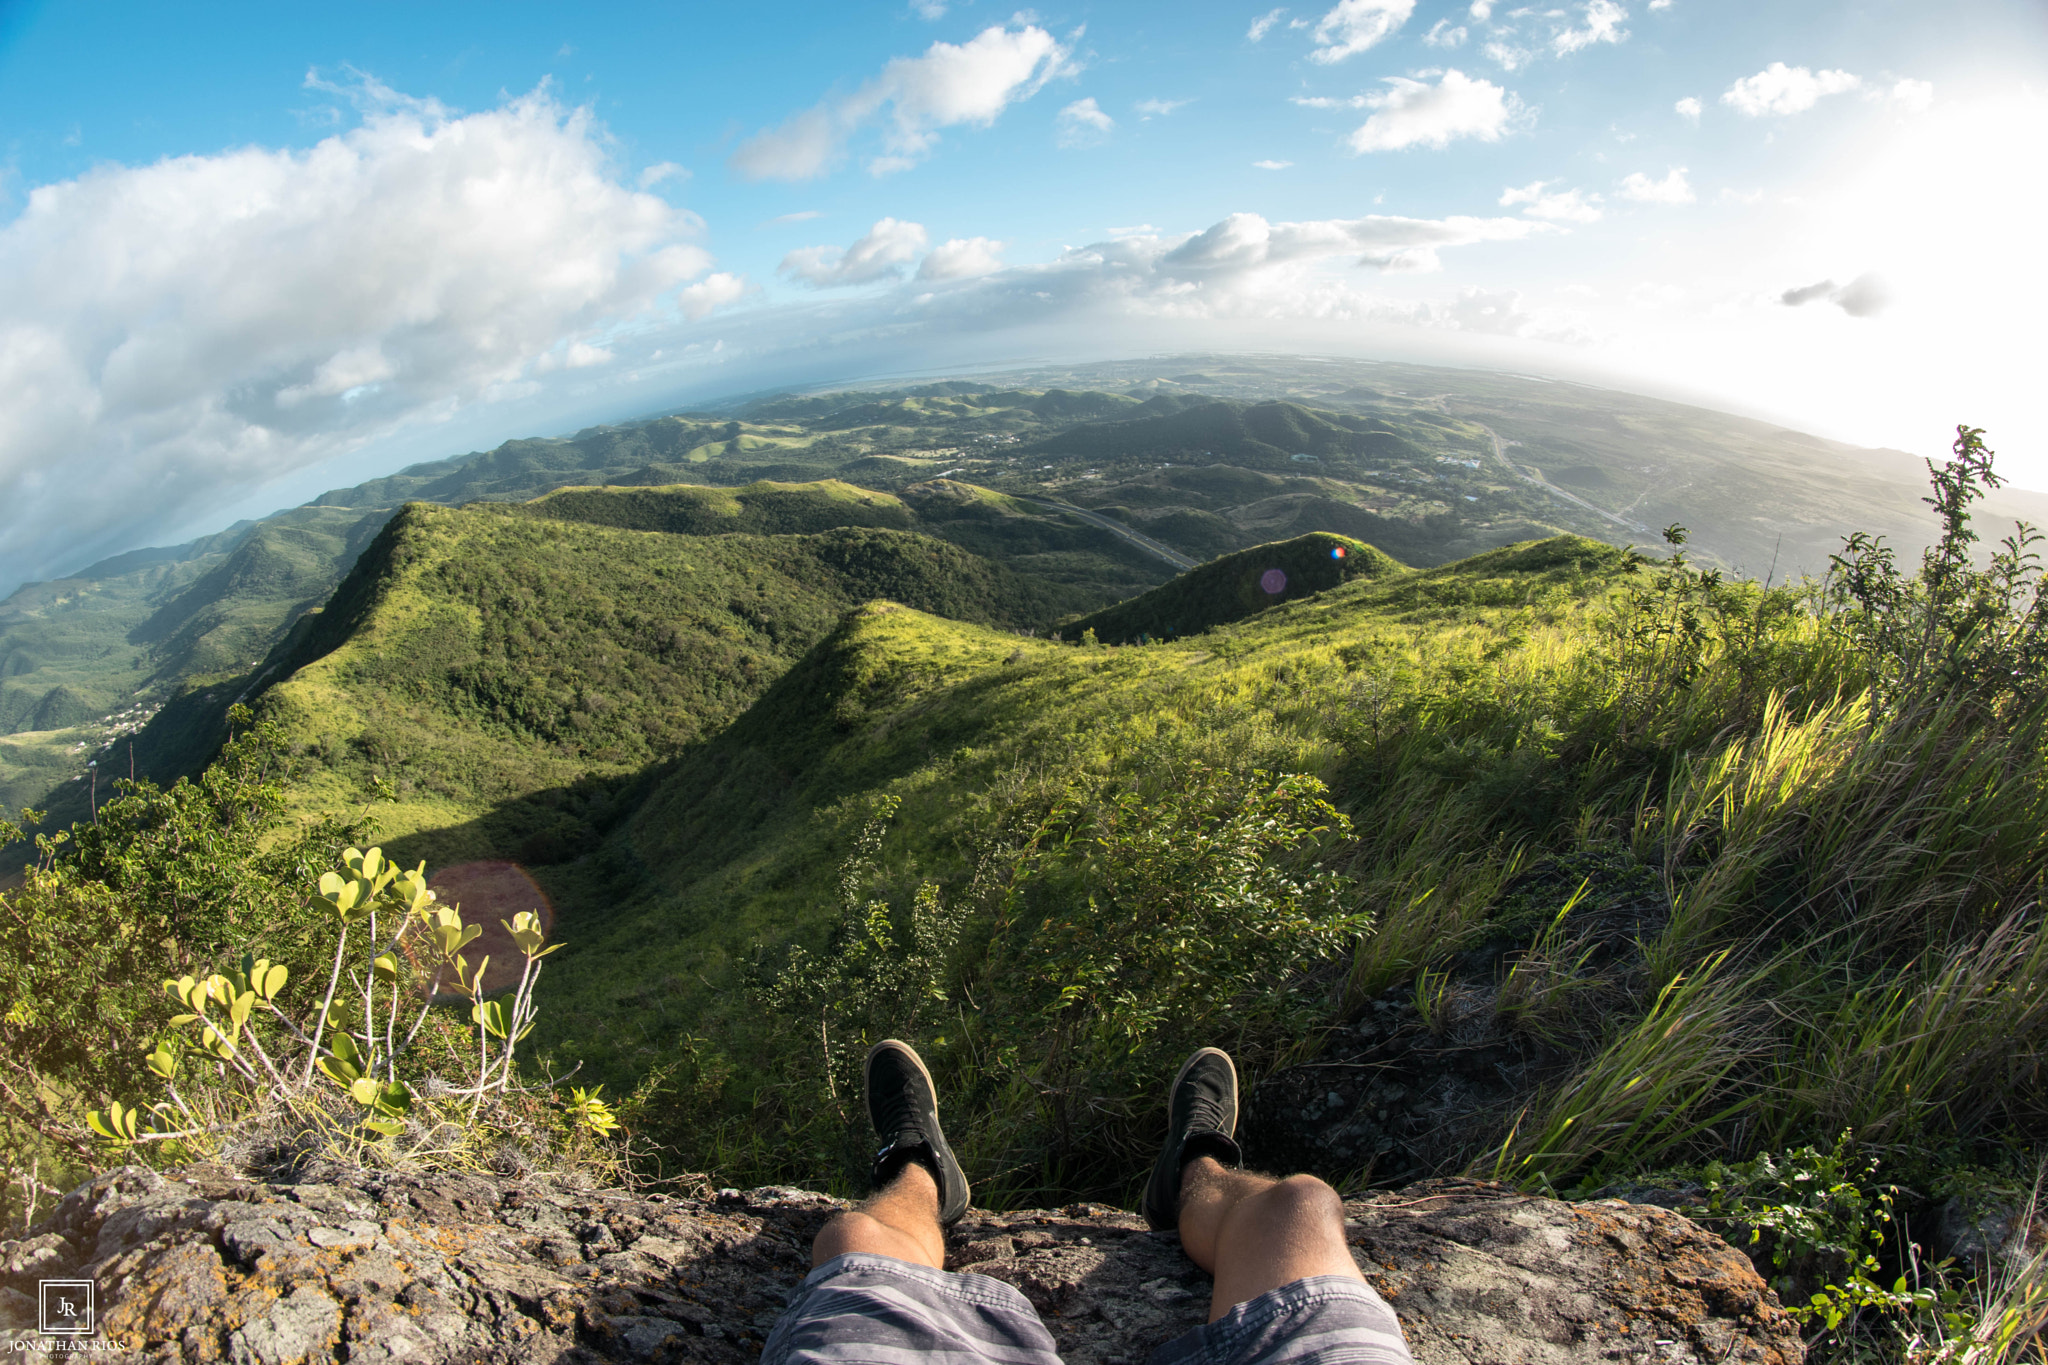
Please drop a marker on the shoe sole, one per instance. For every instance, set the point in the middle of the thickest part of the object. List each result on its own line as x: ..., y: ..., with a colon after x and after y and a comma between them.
x: 1189, y: 1065
x: 899, y: 1045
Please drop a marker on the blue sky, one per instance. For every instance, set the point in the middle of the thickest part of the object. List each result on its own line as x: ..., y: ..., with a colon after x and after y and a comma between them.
x: 247, y: 253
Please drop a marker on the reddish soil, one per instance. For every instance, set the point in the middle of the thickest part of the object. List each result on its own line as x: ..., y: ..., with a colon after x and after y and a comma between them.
x: 489, y: 894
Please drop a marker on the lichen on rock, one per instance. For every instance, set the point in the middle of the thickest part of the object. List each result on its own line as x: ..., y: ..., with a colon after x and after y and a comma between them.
x: 211, y: 1265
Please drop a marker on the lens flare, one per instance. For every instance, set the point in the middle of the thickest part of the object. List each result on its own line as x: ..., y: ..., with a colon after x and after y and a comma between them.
x: 1336, y: 552
x: 1273, y: 581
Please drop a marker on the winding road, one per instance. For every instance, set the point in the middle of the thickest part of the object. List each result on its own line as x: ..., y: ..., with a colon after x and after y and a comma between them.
x: 1500, y: 453
x: 1111, y: 524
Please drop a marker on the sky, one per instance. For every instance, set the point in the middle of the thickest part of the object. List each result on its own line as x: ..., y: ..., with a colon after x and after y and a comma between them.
x: 249, y: 253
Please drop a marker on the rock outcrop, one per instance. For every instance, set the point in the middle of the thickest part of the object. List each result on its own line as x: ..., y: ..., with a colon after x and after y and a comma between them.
x: 214, y: 1266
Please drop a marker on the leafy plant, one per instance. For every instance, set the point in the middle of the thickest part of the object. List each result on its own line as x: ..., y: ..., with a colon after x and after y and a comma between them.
x: 353, y: 1041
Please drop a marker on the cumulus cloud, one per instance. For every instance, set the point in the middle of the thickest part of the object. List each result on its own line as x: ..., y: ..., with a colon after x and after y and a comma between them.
x: 949, y: 85
x: 1601, y: 23
x: 1246, y: 268
x: 217, y: 322
x: 1352, y: 26
x: 1444, y: 34
x: 1507, y: 55
x: 1271, y: 165
x: 1083, y: 124
x: 660, y: 171
x: 699, y: 300
x: 962, y: 258
x: 1913, y: 96
x: 1782, y: 89
x: 1263, y: 25
x: 1863, y: 297
x: 880, y: 254
x: 1245, y: 243
x: 1563, y: 206
x: 1689, y: 110
x: 1160, y: 108
x: 1414, y: 113
x: 1482, y: 10
x: 1672, y: 189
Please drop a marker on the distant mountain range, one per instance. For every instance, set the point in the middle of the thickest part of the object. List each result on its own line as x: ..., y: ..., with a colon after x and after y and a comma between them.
x: 133, y: 661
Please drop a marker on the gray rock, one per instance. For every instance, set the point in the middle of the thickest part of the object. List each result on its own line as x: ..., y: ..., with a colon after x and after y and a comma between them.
x: 2009, y: 1227
x: 303, y: 1325
x: 391, y: 1268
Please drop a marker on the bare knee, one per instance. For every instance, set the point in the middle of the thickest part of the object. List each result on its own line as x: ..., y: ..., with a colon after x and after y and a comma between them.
x: 1304, y: 1199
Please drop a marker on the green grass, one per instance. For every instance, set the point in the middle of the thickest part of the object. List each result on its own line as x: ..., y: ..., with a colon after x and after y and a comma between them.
x: 1236, y: 586
x: 510, y: 676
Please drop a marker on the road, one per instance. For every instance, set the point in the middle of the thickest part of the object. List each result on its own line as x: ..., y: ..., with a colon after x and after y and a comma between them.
x: 1111, y: 524
x: 1500, y: 453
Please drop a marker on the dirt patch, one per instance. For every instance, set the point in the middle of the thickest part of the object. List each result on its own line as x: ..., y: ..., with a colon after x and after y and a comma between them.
x: 489, y: 894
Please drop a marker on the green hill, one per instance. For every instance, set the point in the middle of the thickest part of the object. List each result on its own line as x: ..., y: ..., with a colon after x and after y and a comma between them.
x: 763, y: 508
x: 738, y: 838
x: 496, y: 668
x: 1236, y: 586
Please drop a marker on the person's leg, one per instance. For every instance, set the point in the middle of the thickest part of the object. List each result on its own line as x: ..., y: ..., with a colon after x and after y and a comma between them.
x: 901, y: 1221
x: 1255, y: 1233
x: 878, y: 1290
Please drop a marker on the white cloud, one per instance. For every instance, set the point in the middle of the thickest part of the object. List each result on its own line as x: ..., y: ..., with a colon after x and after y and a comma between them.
x: 1444, y: 34
x: 1565, y: 206
x: 962, y: 258
x: 800, y: 216
x: 1245, y: 242
x: 1782, y: 89
x: 1083, y: 124
x: 660, y: 171
x: 1660, y: 4
x: 1352, y: 26
x: 1161, y: 108
x: 951, y: 84
x: 1414, y: 113
x: 1263, y: 25
x: 1507, y: 55
x: 1672, y: 189
x: 1603, y: 19
x: 1915, y: 97
x: 1689, y: 110
x: 1271, y: 165
x: 1482, y: 10
x: 934, y: 10
x: 211, y: 323
x: 577, y: 355
x: 1863, y: 297
x: 880, y: 254
x: 712, y: 292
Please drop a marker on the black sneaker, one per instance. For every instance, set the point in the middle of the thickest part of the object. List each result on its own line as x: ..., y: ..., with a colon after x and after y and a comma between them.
x: 903, y: 1104
x: 1201, y: 1118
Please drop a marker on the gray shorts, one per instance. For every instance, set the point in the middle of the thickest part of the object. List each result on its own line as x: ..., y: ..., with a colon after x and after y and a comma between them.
x: 859, y: 1309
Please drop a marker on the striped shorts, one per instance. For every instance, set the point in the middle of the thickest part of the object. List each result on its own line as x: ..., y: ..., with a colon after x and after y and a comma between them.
x: 860, y: 1309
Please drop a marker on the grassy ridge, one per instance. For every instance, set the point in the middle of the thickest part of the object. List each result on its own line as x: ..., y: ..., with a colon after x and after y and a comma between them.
x: 741, y: 837
x: 502, y: 672
x: 1236, y: 586
x: 1829, y: 913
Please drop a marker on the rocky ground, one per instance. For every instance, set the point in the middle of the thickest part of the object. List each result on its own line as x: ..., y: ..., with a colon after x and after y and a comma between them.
x: 216, y: 1266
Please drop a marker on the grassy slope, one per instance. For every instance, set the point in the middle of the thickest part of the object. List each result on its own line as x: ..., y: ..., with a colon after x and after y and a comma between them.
x: 507, y: 672
x: 1236, y: 586
x: 741, y: 840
